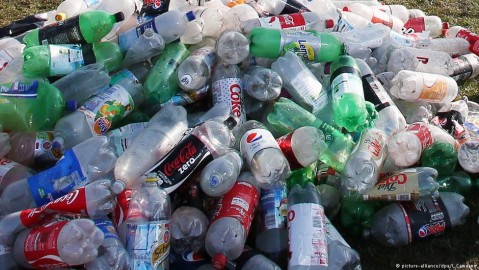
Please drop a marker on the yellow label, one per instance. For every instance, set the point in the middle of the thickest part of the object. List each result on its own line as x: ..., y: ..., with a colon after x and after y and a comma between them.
x: 433, y: 91
x: 401, y: 186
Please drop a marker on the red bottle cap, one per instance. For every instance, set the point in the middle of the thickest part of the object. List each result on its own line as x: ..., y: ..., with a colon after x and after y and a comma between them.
x: 219, y: 261
x: 329, y: 23
x: 346, y: 9
x: 445, y: 26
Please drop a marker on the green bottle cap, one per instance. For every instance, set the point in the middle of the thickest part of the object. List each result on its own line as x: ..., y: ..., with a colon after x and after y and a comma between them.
x: 265, y: 42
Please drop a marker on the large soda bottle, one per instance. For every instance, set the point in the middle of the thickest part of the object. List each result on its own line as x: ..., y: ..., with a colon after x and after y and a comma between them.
x: 22, y: 106
x: 306, y: 220
x: 88, y: 27
x: 350, y: 109
x: 84, y: 163
x: 390, y: 119
x: 75, y: 242
x: 195, y: 70
x: 414, y: 59
x: 100, y: 112
x: 231, y: 221
x: 188, y: 227
x: 219, y: 176
x: 262, y: 154
x: 148, y: 226
x: 399, y: 224
x: 53, y: 60
x: 433, y: 25
x: 376, y: 16
x: 162, y: 133
x: 461, y: 32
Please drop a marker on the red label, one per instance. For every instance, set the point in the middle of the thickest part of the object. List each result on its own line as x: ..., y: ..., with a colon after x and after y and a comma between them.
x: 235, y: 95
x: 291, y: 20
x: 472, y: 38
x: 414, y: 25
x: 240, y: 203
x: 185, y: 154
x: 285, y: 145
x: 71, y: 203
x: 121, y: 209
x: 423, y: 133
x: 40, y: 247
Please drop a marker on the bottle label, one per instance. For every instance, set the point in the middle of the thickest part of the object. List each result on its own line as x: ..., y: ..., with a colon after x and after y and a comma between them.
x: 62, y: 32
x: 20, y: 90
x: 120, y: 212
x: 285, y: 144
x: 123, y: 74
x: 46, y: 150
x: 5, y: 166
x: 91, y: 3
x: 308, y: 221
x: 290, y: 21
x: 5, y: 58
x: 189, y: 156
x: 346, y: 83
x: 373, y: 142
x: 414, y: 25
x: 128, y: 38
x: 155, y: 6
x: 425, y: 217
x: 57, y: 181
x: 310, y: 90
x: 186, y: 98
x: 343, y: 25
x: 65, y: 59
x: 255, y: 140
x: 41, y: 246
x: 239, y: 203
x: 465, y: 67
x: 229, y: 92
x: 274, y: 208
x: 422, y: 132
x: 148, y: 245
x: 401, y: 186
x: 206, y: 54
x: 375, y: 93
x: 107, y: 108
x: 71, y: 203
x: 304, y: 44
x: 106, y: 226
x: 403, y: 40
x: 433, y: 89
x: 123, y: 136
x: 5, y: 250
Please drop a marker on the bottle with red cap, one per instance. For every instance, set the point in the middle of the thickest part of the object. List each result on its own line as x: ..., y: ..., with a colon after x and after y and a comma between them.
x: 461, y: 32
x: 231, y: 221
x: 431, y: 24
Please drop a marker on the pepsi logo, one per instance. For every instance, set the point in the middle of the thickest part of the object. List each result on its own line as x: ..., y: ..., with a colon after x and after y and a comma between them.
x: 253, y: 137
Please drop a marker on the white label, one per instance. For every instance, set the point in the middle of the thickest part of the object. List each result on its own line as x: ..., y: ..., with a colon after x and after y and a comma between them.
x: 307, y: 235
x: 255, y: 140
x: 5, y: 58
x: 373, y: 141
x: 65, y: 59
x: 347, y: 83
x: 5, y: 166
x: 90, y: 3
x: 229, y: 91
x: 102, y: 110
x: 123, y: 136
x: 309, y: 90
x: 5, y: 250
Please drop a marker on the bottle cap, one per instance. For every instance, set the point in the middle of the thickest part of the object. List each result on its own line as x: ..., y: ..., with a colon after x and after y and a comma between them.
x: 151, y: 177
x: 219, y: 261
x: 329, y: 23
x: 119, y: 16
x: 60, y: 16
x: 445, y: 27
x: 265, y: 42
x: 231, y: 122
x: 346, y: 9
x: 71, y: 105
x: 190, y: 16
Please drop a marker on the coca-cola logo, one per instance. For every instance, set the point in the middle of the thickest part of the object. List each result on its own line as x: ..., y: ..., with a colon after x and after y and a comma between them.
x: 185, y: 154
x: 235, y: 95
x: 67, y: 199
x: 400, y: 179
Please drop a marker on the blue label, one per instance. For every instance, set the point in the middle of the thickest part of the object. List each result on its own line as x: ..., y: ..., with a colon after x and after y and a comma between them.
x: 106, y: 226
x: 57, y: 181
x: 274, y: 205
x: 128, y: 38
x: 20, y: 90
x: 471, y: 127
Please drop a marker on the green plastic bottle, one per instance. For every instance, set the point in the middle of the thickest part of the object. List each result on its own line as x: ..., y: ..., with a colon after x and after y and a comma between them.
x: 30, y: 106
x: 53, y: 60
x: 459, y: 182
x: 288, y: 116
x: 309, y: 45
x: 300, y: 177
x: 441, y: 156
x: 350, y: 109
x: 88, y: 27
x: 357, y: 215
x: 161, y: 83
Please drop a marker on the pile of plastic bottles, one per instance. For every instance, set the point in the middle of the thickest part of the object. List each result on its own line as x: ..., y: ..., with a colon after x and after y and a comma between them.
x: 227, y: 134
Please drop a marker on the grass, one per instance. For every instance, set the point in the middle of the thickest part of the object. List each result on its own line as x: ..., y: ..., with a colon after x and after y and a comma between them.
x: 458, y: 246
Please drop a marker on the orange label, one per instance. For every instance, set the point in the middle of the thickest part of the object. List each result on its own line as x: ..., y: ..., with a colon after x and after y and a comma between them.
x: 434, y: 91
x: 381, y: 17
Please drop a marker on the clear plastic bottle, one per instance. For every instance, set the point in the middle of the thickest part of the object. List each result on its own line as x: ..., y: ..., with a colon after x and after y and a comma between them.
x: 219, y: 176
x: 340, y: 254
x: 148, y: 226
x: 348, y: 21
x: 453, y: 46
x: 11, y: 60
x: 415, y: 111
x: 262, y: 154
x: 262, y: 83
x: 195, y: 70
x: 400, y: 11
x: 465, y: 67
x: 188, y: 227
x: 468, y: 155
x: 231, y: 222
x: 212, y: 17
x: 71, y: 8
x: 376, y: 16
x: 34, y: 148
x: 237, y: 15
x: 431, y: 24
x: 391, y: 228
x: 461, y: 32
x: 11, y: 172
x: 148, y: 45
x: 420, y: 86
x: 420, y: 60
x: 232, y: 47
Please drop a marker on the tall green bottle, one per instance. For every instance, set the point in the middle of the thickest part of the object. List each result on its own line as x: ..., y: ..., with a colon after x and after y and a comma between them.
x: 161, y: 83
x: 88, y: 27
x: 287, y: 116
x: 53, y: 60
x: 309, y: 45
x: 350, y: 109
x: 30, y: 106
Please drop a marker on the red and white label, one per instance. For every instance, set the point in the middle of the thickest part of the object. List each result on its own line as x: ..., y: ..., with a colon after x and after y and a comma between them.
x: 120, y: 212
x: 41, y: 246
x: 472, y: 38
x: 414, y: 25
x: 373, y: 142
x: 423, y: 133
x: 290, y: 21
x: 5, y: 166
x: 240, y: 203
x: 306, y: 221
x: 287, y: 149
x: 229, y: 92
x: 71, y: 203
x: 255, y: 140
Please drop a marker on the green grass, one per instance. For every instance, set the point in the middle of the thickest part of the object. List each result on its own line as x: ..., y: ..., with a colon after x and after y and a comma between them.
x: 457, y: 246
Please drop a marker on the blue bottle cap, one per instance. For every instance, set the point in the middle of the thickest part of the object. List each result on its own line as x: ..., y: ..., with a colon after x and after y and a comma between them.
x: 190, y: 16
x: 71, y: 105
